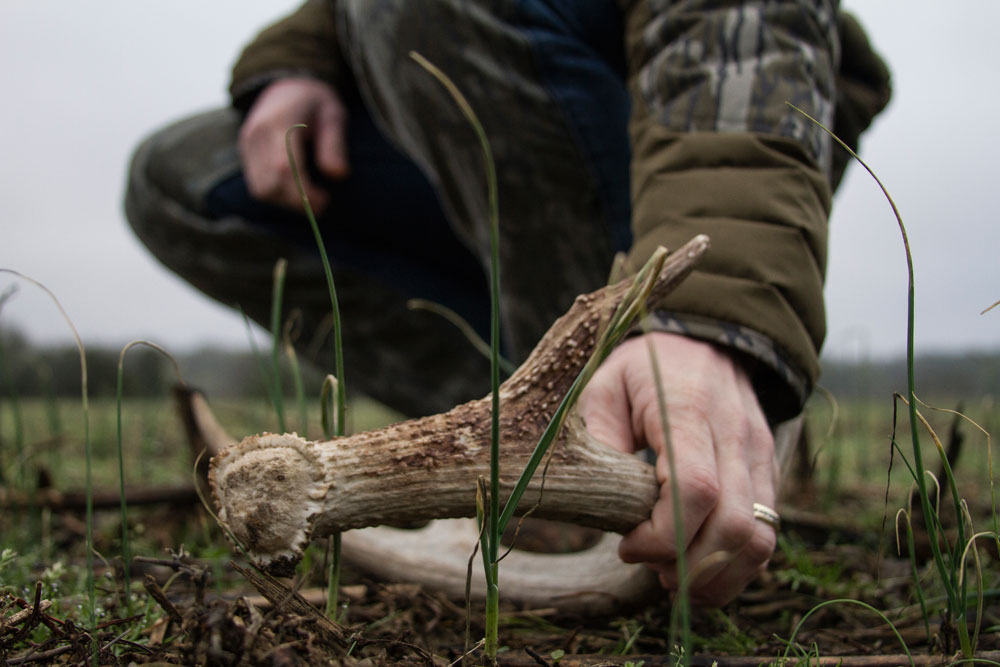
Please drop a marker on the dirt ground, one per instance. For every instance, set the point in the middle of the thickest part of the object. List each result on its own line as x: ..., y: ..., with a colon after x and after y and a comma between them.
x: 197, y: 622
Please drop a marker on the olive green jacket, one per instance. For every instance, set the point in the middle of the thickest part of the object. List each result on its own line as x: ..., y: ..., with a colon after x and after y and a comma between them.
x: 759, y: 182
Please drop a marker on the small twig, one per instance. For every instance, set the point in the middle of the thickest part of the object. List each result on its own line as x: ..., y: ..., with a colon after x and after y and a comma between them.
x: 469, y: 652
x: 280, y: 595
x: 36, y: 611
x: 77, y: 500
x: 537, y: 658
x: 21, y: 616
x: 44, y: 656
x: 115, y: 640
x: 155, y: 592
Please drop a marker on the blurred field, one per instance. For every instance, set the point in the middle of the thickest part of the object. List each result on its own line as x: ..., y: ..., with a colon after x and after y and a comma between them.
x: 154, y: 446
x: 849, y: 440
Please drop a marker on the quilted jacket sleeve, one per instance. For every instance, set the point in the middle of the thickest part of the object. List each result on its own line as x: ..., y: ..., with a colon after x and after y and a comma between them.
x: 716, y: 150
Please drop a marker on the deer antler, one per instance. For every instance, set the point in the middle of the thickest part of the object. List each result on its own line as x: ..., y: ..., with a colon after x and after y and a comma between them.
x: 278, y: 492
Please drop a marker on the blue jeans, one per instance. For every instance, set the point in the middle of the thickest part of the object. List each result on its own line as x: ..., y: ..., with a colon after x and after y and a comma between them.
x: 546, y: 80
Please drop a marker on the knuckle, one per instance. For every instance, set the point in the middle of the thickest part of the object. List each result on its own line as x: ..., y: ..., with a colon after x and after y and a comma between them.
x: 666, y: 548
x: 737, y: 531
x: 761, y: 436
x: 693, y: 403
x: 699, y: 487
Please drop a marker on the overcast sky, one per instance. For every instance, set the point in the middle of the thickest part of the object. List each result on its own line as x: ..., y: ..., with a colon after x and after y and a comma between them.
x: 83, y: 82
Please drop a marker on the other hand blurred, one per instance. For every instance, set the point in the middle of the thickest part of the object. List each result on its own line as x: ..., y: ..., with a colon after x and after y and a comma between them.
x: 321, y: 145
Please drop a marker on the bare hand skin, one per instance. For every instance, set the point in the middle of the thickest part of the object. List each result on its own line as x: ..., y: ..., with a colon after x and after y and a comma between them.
x: 282, y: 104
x: 724, y: 456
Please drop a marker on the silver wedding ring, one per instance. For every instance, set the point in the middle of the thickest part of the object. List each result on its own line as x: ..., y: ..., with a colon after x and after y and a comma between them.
x: 767, y: 515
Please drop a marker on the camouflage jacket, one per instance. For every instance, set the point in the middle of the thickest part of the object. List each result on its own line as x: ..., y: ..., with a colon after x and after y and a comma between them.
x: 715, y: 149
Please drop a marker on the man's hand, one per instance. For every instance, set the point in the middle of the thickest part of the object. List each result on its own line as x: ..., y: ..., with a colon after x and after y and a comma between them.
x: 282, y: 104
x: 723, y: 452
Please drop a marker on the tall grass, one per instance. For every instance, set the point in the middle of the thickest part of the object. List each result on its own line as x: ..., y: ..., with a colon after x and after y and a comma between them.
x: 948, y: 561
x: 88, y: 454
x: 798, y: 626
x: 277, y: 294
x: 491, y: 535
x: 15, y: 408
x: 333, y: 579
x: 683, y: 605
x: 464, y: 328
x: 298, y: 382
x: 493, y: 520
x: 126, y: 545
x: 338, y: 345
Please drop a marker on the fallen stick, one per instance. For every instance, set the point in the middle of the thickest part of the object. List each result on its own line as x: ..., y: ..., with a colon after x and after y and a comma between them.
x: 514, y: 659
x: 276, y: 493
x: 77, y: 500
x: 281, y: 596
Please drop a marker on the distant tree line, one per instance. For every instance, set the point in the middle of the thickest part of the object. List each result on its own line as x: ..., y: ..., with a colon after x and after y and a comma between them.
x: 31, y: 370
x: 35, y: 371
x: 952, y: 375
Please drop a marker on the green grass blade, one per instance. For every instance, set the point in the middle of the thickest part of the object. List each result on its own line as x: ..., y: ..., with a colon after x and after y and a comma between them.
x: 328, y: 410
x: 333, y: 579
x: 88, y: 454
x: 683, y: 603
x: 126, y: 546
x: 334, y: 549
x: 479, y: 548
x: 620, y: 323
x: 277, y: 292
x: 914, y: 570
x: 338, y: 345
x: 493, y: 531
x: 989, y: 466
x: 296, y: 371
x: 464, y: 327
x: 491, y: 572
x: 865, y: 605
x: 262, y: 368
x: 980, y: 593
x: 947, y: 577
